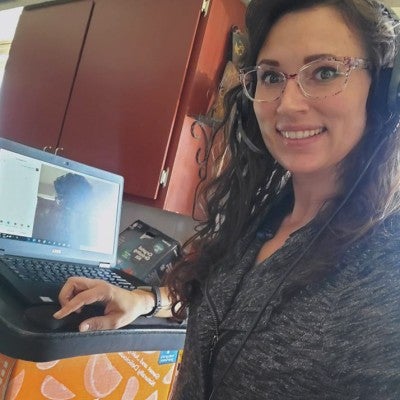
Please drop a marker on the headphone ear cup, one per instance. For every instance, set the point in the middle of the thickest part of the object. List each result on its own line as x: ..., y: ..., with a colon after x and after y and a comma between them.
x: 393, y: 95
x: 243, y: 105
x: 242, y: 117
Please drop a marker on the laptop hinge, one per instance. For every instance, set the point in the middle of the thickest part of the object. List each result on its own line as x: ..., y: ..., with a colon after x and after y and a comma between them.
x: 104, y: 265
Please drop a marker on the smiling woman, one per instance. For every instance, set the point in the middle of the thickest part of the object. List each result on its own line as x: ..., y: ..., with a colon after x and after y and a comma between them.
x: 292, y: 280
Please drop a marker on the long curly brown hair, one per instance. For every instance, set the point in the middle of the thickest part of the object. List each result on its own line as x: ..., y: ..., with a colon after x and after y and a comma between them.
x: 249, y: 179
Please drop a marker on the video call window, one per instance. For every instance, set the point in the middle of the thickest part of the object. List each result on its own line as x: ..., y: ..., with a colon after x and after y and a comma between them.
x: 58, y: 206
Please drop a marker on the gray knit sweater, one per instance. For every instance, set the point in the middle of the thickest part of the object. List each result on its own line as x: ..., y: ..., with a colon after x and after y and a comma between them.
x: 335, y: 339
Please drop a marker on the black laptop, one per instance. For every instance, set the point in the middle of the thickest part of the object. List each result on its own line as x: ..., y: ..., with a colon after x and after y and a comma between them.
x: 58, y: 218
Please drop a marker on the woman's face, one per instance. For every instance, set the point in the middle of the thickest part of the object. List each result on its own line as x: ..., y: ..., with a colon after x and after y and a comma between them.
x: 339, y: 120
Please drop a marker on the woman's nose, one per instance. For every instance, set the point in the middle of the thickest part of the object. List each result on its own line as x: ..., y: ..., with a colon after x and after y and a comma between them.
x: 292, y: 98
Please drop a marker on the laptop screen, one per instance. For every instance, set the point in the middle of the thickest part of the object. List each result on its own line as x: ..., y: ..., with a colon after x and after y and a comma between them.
x: 54, y: 204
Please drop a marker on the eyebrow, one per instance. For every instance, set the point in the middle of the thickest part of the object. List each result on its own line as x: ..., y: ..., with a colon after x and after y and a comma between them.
x: 307, y: 59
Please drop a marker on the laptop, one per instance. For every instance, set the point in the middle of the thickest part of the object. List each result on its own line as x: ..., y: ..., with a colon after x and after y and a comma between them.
x: 58, y: 218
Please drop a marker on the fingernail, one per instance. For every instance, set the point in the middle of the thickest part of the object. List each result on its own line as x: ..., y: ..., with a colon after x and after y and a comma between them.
x: 84, y: 327
x: 56, y: 314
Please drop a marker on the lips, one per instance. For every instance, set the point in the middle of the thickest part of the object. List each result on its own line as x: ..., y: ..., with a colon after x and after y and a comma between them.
x: 301, y: 134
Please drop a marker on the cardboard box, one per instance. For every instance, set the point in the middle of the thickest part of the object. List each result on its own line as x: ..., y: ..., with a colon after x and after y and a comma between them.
x: 146, y: 253
x: 114, y: 376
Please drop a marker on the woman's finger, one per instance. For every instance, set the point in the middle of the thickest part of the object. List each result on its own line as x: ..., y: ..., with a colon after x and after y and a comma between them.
x: 78, y: 293
x: 72, y: 287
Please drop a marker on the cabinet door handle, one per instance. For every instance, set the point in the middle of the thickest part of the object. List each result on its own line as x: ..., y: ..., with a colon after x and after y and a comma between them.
x: 47, y: 148
x: 58, y: 149
x: 164, y: 177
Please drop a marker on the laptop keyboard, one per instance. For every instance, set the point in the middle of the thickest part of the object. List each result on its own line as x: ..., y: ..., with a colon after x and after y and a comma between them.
x: 56, y: 272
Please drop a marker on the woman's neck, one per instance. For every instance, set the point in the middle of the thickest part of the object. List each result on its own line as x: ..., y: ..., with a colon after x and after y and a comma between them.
x: 310, y: 194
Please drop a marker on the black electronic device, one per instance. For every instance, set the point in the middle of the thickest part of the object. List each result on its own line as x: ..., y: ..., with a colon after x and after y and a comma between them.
x: 58, y: 218
x: 393, y: 91
x: 393, y: 97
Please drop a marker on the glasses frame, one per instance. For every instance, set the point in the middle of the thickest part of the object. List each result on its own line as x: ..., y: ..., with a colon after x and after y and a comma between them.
x: 351, y: 63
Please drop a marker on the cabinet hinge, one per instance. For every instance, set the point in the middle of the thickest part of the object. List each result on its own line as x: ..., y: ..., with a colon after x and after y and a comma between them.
x: 205, y: 6
x: 164, y: 177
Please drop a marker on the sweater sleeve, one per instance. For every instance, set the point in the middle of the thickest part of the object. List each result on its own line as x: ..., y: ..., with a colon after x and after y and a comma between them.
x: 362, y: 333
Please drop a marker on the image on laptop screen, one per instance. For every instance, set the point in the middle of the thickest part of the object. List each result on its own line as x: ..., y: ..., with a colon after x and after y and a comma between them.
x: 59, y: 207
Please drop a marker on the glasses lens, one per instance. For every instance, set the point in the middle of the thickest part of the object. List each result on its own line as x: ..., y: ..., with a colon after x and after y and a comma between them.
x: 323, y: 78
x: 264, y: 83
x: 249, y: 81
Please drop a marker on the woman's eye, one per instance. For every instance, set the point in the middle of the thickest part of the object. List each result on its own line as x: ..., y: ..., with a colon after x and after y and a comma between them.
x: 270, y: 77
x: 325, y: 73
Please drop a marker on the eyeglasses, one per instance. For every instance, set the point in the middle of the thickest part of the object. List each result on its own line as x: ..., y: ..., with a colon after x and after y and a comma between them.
x: 318, y: 79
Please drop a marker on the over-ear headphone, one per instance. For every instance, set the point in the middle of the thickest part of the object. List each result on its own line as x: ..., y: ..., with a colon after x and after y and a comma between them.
x: 393, y: 95
x: 243, y: 105
x: 393, y: 88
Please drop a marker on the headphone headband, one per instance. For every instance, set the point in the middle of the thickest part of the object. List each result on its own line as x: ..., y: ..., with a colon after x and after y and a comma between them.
x: 393, y: 92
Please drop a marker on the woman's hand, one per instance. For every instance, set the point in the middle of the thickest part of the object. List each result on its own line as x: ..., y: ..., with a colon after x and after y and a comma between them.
x: 121, y: 306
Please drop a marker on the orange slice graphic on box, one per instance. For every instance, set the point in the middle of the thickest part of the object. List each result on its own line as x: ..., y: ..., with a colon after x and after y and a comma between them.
x: 153, y: 396
x: 168, y: 376
x: 46, y: 365
x: 100, y: 378
x: 131, y: 389
x: 14, y: 386
x: 54, y: 390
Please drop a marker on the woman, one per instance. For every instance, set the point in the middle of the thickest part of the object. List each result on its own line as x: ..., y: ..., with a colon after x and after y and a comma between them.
x: 293, y: 281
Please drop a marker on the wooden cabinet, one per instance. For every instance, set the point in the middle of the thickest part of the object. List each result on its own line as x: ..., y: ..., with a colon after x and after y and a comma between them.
x: 40, y: 72
x: 116, y: 84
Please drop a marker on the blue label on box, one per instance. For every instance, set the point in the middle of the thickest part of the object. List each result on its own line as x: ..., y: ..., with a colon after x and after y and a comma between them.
x: 168, y: 357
